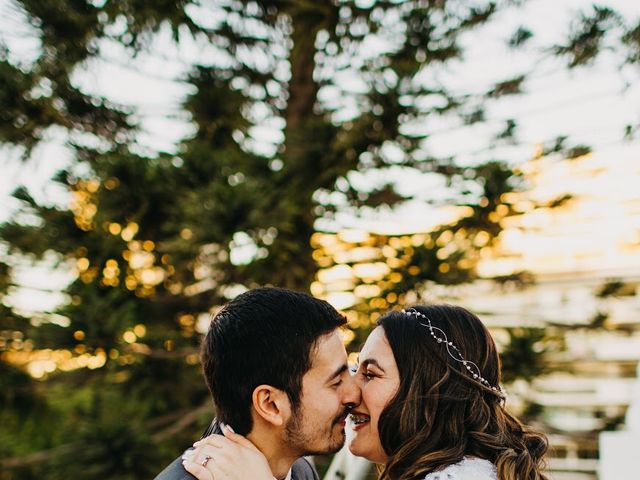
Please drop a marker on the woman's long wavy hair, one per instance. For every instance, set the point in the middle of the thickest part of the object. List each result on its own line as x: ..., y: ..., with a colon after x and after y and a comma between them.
x: 440, y: 414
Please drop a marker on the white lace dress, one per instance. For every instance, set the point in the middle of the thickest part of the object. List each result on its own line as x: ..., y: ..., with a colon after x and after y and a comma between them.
x: 470, y: 468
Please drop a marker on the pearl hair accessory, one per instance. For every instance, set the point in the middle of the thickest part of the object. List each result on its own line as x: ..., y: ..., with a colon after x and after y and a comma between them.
x: 441, y: 337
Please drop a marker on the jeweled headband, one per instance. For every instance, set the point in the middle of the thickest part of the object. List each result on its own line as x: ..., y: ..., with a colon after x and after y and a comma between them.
x: 441, y: 337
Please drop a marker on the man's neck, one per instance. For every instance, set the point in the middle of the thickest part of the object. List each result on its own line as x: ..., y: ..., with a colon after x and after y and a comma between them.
x: 280, y: 461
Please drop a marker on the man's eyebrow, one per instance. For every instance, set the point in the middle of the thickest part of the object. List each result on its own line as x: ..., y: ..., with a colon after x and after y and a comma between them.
x: 338, y: 372
x: 373, y: 361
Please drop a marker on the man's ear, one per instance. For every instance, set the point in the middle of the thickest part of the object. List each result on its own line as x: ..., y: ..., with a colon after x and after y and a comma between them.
x: 271, y: 404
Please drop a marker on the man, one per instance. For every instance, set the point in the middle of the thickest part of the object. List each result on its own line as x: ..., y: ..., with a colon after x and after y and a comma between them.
x: 277, y: 371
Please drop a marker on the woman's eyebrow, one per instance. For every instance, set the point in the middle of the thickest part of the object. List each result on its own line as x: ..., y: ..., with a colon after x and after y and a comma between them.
x: 372, y: 361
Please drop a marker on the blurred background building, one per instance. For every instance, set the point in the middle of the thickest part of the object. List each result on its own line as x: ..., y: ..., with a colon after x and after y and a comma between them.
x: 582, y: 290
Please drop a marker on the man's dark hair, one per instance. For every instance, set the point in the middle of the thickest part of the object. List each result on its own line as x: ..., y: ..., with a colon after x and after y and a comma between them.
x: 264, y: 336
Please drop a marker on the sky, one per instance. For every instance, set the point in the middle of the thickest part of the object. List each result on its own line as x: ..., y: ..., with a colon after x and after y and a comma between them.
x: 590, y: 105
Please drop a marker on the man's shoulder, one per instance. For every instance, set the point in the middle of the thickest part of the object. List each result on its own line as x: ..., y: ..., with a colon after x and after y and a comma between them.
x: 303, y: 470
x: 175, y: 471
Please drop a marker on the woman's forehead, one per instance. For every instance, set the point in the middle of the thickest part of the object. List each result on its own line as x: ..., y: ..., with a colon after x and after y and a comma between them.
x: 376, y: 346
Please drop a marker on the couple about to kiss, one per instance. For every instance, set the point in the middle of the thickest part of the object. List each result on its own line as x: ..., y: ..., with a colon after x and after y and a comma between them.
x: 425, y: 401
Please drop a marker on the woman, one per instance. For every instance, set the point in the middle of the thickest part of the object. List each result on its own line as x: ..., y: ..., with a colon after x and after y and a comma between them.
x: 432, y: 407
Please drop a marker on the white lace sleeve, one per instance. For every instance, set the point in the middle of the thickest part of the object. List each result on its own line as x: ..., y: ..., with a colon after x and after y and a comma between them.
x: 468, y: 469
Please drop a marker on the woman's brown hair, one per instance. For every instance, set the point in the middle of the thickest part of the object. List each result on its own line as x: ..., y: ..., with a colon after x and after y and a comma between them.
x: 440, y: 413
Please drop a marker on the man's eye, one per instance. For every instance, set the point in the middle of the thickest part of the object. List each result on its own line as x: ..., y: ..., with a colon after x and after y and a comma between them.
x: 368, y: 375
x: 338, y: 383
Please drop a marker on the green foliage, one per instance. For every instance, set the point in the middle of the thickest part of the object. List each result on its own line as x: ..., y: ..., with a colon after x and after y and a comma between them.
x: 520, y: 37
x: 616, y: 287
x: 524, y: 355
x: 587, y: 36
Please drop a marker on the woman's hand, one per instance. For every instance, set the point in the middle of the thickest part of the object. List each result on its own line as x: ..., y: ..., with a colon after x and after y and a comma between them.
x: 228, y: 457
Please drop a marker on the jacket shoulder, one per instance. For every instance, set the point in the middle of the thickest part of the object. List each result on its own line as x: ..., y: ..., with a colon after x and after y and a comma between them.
x: 303, y: 470
x: 175, y: 471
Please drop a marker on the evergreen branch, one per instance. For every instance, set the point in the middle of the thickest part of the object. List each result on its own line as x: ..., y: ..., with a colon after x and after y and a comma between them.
x: 145, y: 350
x: 46, y: 455
x: 183, y: 423
x: 41, y: 456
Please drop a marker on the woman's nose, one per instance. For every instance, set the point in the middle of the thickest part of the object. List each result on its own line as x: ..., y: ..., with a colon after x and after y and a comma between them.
x: 353, y: 393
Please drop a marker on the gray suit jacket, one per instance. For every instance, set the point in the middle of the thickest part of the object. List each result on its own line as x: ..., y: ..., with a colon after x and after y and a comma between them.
x: 301, y: 469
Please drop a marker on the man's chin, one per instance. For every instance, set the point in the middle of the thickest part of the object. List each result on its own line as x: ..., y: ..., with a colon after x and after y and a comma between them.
x: 339, y: 442
x: 334, y: 447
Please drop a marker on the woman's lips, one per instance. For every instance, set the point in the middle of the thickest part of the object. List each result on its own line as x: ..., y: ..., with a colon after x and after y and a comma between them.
x: 359, y: 420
